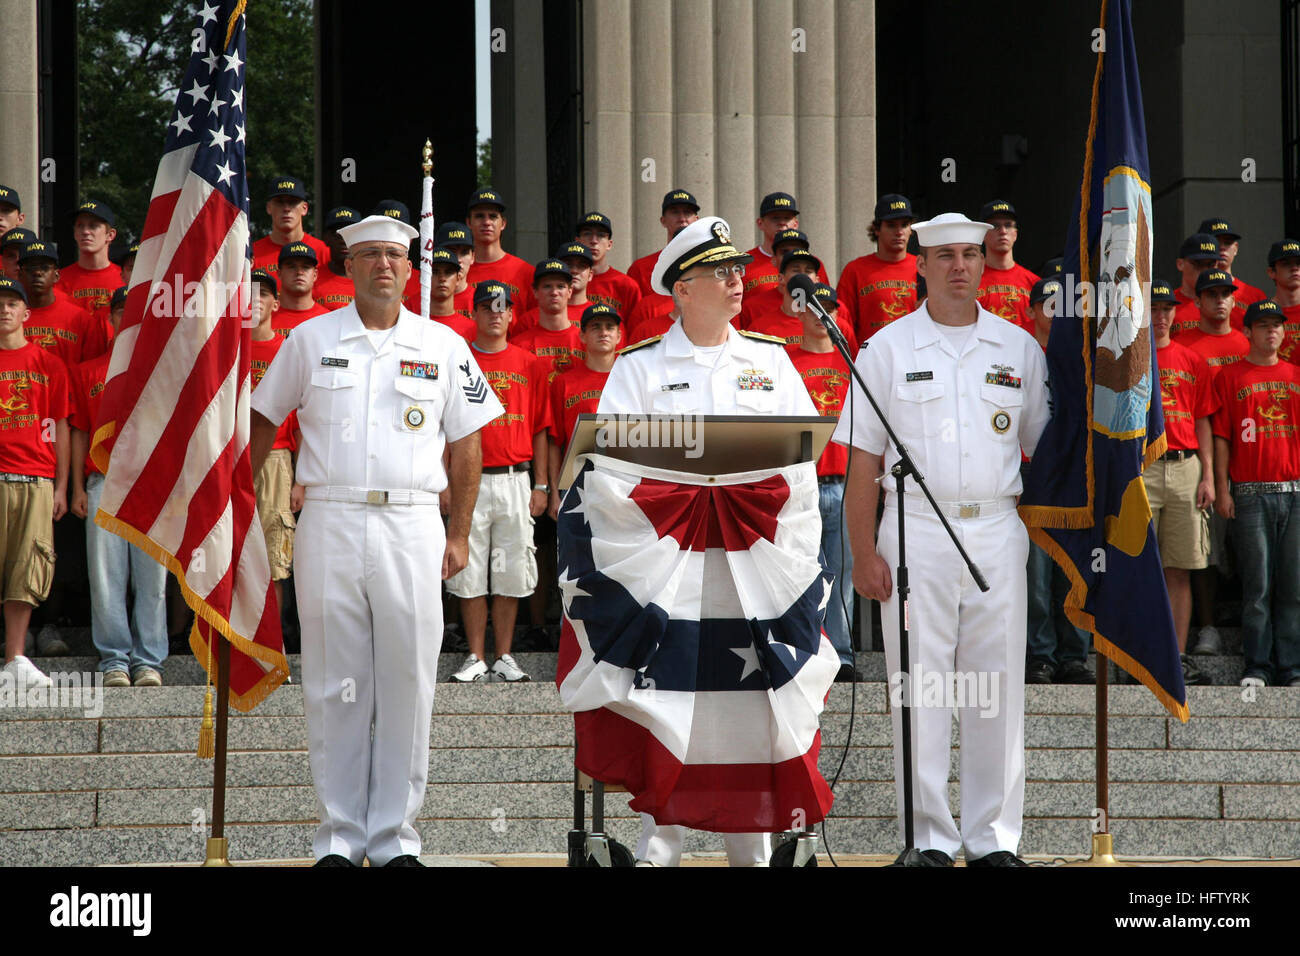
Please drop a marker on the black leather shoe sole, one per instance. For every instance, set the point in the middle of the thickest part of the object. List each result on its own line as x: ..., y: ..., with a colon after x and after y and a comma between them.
x: 334, y: 859
x: 997, y: 858
x: 404, y: 860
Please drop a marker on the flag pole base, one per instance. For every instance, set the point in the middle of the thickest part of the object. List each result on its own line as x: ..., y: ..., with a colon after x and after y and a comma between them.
x: 1102, y: 853
x: 217, y: 852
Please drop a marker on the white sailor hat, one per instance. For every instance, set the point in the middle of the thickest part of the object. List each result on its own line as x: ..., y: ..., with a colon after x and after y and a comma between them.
x: 949, y: 228
x: 705, y: 242
x: 378, y: 229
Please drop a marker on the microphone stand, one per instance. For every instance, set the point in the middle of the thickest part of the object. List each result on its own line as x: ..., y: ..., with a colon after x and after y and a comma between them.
x: 901, y: 469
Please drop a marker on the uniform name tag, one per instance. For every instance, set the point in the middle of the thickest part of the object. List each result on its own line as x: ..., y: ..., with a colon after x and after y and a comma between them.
x: 675, y: 387
x: 329, y: 362
x: 426, y: 370
x: 920, y: 376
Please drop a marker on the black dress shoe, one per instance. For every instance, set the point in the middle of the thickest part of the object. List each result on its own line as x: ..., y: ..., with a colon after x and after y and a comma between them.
x: 937, y: 857
x: 334, y: 859
x: 910, y: 858
x: 998, y: 858
x: 1075, y: 672
x: 1038, y: 672
x: 404, y: 860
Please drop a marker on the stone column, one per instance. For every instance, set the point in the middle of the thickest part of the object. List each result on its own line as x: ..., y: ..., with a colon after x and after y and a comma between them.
x: 650, y: 167
x: 774, y: 108
x: 816, y: 184
x: 20, y: 144
x: 734, y: 126
x: 693, y: 104
x: 855, y: 129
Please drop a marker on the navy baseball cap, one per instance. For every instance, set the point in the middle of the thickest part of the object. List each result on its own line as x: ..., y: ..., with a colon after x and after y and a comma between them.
x: 548, y: 267
x: 264, y: 277
x: 575, y: 250
x: 99, y: 210
x: 826, y: 296
x: 996, y: 207
x: 10, y: 286
x: 1162, y: 291
x: 1199, y: 246
x: 393, y: 209
x: 790, y: 235
x: 1220, y: 228
x: 39, y: 249
x: 1052, y: 267
x: 453, y: 234
x: 9, y: 197
x: 595, y: 220
x: 1282, y: 249
x: 800, y: 255
x: 598, y: 310
x: 445, y: 257
x: 20, y: 236
x: 893, y: 206
x: 678, y: 197
x: 119, y: 256
x: 492, y: 292
x: 1263, y: 309
x: 288, y: 186
x: 298, y: 250
x: 487, y: 196
x: 119, y: 298
x: 778, y: 202
x: 341, y: 216
x: 1214, y: 279
x: 1044, y: 289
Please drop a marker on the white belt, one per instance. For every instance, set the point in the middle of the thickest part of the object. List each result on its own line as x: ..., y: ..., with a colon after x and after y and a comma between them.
x: 915, y: 502
x: 370, y: 496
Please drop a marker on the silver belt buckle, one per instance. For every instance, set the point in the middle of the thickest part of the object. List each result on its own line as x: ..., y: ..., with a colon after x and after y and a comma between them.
x: 376, y: 497
x: 968, y: 511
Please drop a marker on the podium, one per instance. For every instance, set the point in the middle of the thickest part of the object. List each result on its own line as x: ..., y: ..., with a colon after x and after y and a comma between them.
x: 691, y: 652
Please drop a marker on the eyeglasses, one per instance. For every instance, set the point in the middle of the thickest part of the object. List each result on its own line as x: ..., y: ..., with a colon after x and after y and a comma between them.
x: 722, y: 274
x: 372, y: 256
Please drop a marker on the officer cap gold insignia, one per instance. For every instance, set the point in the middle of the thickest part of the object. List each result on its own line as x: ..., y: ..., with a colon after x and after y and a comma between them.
x: 705, y: 242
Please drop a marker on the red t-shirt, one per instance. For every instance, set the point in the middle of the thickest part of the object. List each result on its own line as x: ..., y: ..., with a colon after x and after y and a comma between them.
x: 872, y: 293
x: 1245, y: 294
x: 1005, y: 292
x: 779, y: 325
x: 1259, y: 408
x: 574, y: 393
x: 91, y: 289
x: 519, y: 380
x: 461, y: 325
x: 649, y: 318
x: 641, y: 270
x: 1185, y: 394
x: 33, y: 388
x: 71, y: 333
x: 261, y: 357
x: 521, y: 321
x: 266, y: 254
x: 87, y: 392
x: 761, y: 276
x: 332, y: 291
x: 1289, y: 350
x: 827, y: 379
x: 616, y: 289
x: 510, y: 270
x: 1217, y: 350
x: 286, y: 320
x: 559, y: 351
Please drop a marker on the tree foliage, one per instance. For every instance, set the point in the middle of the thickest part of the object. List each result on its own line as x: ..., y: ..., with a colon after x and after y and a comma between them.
x: 131, y: 56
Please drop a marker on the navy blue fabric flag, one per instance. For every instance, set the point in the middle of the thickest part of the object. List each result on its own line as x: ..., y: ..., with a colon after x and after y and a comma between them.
x: 1084, y: 499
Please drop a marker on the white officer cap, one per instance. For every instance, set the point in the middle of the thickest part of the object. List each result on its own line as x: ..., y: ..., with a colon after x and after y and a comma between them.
x: 948, y: 229
x: 378, y: 229
x: 704, y: 242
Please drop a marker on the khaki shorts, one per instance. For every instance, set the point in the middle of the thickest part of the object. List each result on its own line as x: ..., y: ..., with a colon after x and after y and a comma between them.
x: 501, y: 549
x: 272, y: 486
x: 27, y: 539
x: 1182, y: 529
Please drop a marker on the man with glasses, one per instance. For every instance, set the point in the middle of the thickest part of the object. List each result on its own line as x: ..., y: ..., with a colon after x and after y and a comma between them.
x: 704, y: 366
x: 1005, y: 287
x: 380, y: 394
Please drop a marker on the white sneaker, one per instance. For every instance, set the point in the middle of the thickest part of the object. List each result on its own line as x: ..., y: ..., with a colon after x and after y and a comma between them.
x: 1208, y: 641
x: 506, y: 669
x: 26, y: 674
x: 473, y: 669
x: 50, y: 643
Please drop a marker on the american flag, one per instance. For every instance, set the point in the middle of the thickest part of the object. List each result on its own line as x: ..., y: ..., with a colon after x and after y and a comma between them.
x: 173, y: 438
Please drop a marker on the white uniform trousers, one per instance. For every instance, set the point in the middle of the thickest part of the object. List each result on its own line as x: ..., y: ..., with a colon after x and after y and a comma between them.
x: 370, y: 608
x: 663, y: 845
x: 980, y: 637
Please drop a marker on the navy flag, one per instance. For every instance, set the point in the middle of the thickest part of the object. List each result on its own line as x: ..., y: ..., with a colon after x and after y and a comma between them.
x: 1084, y: 499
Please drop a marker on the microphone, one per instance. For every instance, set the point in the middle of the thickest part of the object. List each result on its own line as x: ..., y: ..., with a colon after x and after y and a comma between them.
x: 802, y: 288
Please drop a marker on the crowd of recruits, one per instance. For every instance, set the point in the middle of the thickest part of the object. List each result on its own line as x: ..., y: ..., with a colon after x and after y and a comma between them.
x: 566, y: 317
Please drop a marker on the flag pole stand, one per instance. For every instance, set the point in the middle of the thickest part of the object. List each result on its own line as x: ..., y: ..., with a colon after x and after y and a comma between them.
x: 1102, y: 846
x: 218, y: 847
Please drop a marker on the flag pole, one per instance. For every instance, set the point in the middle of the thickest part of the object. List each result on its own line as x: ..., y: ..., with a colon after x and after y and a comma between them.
x: 1102, y: 846
x: 426, y: 228
x: 218, y: 847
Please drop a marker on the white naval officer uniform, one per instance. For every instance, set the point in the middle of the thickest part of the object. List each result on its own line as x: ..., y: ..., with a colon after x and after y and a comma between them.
x: 376, y: 410
x: 671, y: 375
x: 965, y: 402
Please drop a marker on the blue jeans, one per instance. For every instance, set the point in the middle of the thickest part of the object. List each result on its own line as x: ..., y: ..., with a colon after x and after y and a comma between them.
x: 1267, y: 537
x: 838, y: 620
x: 1051, y: 636
x: 113, y: 561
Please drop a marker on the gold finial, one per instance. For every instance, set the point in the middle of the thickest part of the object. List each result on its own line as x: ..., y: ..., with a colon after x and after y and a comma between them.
x: 427, y: 156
